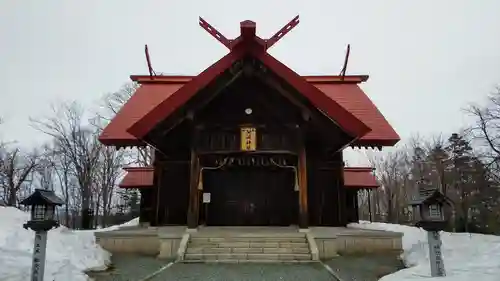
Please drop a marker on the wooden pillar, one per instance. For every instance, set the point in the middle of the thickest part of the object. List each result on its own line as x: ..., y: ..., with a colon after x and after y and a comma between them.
x: 302, y: 174
x: 143, y: 216
x: 146, y: 207
x: 356, y: 206
x: 342, y: 197
x: 370, y: 204
x: 194, y: 206
x: 194, y: 171
x: 156, y: 194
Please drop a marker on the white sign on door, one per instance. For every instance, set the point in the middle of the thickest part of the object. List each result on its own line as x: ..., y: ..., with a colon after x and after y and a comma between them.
x: 206, y: 197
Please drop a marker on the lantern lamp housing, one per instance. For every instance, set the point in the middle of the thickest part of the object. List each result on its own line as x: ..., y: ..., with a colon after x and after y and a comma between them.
x: 43, y: 206
x: 428, y: 209
x: 42, y: 212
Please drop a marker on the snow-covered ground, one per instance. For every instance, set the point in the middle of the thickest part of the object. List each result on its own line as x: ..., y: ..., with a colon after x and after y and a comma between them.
x: 69, y: 252
x: 466, y: 256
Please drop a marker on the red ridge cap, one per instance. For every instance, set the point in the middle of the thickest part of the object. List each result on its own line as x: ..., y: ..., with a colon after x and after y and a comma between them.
x: 141, y: 79
x: 309, y: 78
x: 336, y: 78
x: 359, y: 169
x: 128, y: 169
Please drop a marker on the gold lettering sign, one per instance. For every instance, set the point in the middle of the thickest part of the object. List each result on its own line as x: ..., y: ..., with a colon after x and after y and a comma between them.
x: 248, y: 139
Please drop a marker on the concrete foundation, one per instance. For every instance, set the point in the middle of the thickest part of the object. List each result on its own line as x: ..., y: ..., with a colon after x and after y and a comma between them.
x: 150, y: 241
x: 332, y: 241
x: 325, y: 242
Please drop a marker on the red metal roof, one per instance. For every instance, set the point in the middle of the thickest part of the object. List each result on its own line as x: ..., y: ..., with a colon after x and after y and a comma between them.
x: 345, y: 119
x: 138, y: 177
x: 152, y: 92
x: 359, y: 178
x: 352, y: 98
x: 146, y: 97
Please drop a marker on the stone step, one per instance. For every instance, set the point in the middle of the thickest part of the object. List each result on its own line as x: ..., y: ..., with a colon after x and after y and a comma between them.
x: 249, y: 239
x: 223, y: 234
x: 203, y: 250
x: 209, y: 244
x: 249, y: 261
x: 242, y: 256
x: 248, y: 247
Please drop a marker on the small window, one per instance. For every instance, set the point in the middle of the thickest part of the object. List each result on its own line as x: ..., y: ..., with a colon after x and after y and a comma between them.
x: 434, y: 211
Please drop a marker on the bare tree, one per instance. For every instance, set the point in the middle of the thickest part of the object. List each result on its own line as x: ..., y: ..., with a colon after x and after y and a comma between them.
x: 486, y: 130
x: 78, y: 142
x: 109, y: 171
x: 62, y: 174
x: 392, y: 172
x: 44, y: 172
x: 15, y: 169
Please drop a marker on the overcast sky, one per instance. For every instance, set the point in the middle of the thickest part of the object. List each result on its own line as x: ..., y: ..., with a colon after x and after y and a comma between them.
x: 426, y: 59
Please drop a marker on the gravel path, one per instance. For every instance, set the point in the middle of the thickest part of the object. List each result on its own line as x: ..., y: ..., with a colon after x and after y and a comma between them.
x: 362, y: 268
x: 129, y: 268
x: 245, y: 272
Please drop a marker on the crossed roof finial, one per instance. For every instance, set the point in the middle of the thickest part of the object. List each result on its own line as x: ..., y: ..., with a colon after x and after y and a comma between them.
x: 248, y: 30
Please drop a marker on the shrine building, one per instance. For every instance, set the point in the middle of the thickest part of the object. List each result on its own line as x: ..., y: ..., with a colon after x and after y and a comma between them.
x: 248, y: 141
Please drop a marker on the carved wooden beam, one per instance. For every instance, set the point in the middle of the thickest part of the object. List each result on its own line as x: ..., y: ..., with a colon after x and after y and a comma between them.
x: 215, y: 33
x: 282, y: 32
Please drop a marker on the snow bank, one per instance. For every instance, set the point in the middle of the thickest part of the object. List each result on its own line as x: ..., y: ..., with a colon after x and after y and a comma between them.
x: 133, y: 222
x: 69, y: 253
x: 466, y: 256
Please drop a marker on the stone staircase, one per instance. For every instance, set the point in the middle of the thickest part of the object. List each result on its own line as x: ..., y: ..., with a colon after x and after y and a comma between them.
x: 248, y: 247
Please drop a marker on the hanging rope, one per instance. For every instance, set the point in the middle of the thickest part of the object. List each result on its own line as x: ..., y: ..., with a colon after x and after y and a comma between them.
x: 200, y: 175
x: 295, y: 173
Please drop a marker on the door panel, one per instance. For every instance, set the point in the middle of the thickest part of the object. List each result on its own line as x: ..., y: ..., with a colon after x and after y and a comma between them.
x: 250, y: 197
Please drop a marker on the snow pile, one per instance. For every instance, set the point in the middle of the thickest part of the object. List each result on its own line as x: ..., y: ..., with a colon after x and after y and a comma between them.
x: 133, y: 222
x: 69, y: 253
x: 466, y: 256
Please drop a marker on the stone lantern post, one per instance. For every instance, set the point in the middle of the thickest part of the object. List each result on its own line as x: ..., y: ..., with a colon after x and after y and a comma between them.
x: 429, y: 215
x: 43, y: 204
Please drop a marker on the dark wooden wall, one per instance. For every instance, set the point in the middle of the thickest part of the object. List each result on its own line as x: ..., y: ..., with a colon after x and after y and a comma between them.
x: 326, y: 194
x: 170, y: 194
x: 146, y: 205
x: 352, y: 205
x: 174, y: 193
